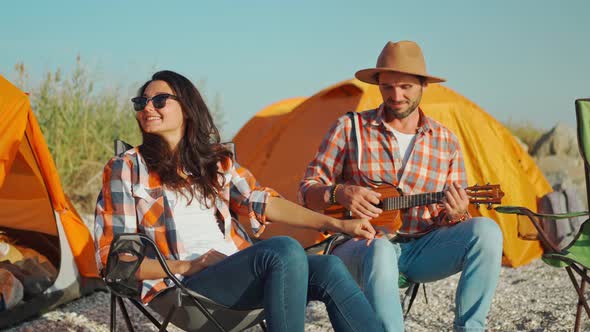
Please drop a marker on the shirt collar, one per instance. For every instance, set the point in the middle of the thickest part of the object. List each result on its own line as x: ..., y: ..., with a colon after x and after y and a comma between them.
x: 425, y: 124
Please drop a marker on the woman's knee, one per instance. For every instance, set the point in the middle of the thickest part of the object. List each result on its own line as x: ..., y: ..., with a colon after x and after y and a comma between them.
x: 328, y: 266
x: 284, y: 249
x: 283, y: 245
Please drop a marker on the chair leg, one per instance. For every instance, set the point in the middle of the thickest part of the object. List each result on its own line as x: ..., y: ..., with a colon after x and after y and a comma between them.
x: 146, y: 313
x: 207, y: 314
x: 113, y: 313
x: 412, y: 291
x: 582, y: 303
x: 125, y: 315
x: 167, y: 319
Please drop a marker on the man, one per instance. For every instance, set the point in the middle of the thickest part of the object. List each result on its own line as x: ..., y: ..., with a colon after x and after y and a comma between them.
x: 399, y: 145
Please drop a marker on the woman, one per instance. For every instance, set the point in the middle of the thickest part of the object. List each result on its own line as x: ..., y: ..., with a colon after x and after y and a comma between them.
x: 178, y: 187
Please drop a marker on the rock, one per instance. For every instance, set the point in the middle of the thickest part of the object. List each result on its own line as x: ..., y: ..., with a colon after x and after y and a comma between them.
x: 522, y: 144
x: 560, y: 140
x: 564, y: 172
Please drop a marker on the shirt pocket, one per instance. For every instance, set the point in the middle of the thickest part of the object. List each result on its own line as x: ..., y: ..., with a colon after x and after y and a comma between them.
x: 149, y: 205
x: 147, y: 194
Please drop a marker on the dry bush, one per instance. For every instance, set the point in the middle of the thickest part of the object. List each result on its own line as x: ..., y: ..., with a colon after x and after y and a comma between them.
x: 526, y: 132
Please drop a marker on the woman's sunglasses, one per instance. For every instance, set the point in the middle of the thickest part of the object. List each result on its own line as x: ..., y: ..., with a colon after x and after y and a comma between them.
x: 159, y: 101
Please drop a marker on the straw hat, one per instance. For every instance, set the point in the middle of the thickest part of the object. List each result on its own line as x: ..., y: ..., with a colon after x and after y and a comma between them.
x: 403, y: 57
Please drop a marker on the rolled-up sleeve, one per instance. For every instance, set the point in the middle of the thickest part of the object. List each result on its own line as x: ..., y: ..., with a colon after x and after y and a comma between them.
x: 115, y: 207
x: 328, y: 161
x: 248, y: 198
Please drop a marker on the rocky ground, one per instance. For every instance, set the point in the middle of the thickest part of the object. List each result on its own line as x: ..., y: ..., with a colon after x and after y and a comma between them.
x: 535, y: 297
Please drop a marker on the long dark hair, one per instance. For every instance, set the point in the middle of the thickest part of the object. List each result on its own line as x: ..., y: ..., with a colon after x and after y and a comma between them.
x: 199, y: 149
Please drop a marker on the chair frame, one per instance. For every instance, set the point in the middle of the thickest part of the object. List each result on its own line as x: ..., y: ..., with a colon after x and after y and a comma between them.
x: 117, y: 293
x: 573, y: 266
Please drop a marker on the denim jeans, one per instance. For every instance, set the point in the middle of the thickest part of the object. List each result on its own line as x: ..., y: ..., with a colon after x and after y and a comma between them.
x: 277, y: 275
x: 473, y: 247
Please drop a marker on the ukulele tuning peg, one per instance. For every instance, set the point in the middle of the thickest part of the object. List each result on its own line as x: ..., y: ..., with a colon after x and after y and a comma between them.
x: 477, y: 205
x: 489, y: 206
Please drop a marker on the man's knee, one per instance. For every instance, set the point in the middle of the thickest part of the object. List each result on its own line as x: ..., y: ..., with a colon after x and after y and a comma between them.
x: 487, y: 233
x: 382, y: 251
x: 380, y: 263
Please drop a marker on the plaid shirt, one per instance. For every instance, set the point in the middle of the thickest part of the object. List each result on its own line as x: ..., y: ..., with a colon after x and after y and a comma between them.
x: 434, y: 164
x: 132, y: 200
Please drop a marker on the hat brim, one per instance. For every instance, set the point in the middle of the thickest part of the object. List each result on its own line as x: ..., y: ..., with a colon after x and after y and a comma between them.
x: 370, y: 75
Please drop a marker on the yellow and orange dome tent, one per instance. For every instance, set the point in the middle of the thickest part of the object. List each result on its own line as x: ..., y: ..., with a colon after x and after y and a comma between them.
x: 34, y: 211
x: 279, y: 141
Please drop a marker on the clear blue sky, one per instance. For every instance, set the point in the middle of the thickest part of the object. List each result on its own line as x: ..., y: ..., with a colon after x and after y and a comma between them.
x: 523, y: 60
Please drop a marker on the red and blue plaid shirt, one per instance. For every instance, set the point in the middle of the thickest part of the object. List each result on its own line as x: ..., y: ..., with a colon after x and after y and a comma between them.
x: 133, y: 200
x: 434, y: 163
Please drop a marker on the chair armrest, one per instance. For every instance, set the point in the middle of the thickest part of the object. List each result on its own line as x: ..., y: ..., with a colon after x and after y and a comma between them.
x: 119, y: 274
x: 533, y: 217
x: 523, y: 211
x: 151, y: 245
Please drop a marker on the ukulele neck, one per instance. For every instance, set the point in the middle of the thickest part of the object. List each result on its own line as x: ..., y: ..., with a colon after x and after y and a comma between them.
x: 405, y: 202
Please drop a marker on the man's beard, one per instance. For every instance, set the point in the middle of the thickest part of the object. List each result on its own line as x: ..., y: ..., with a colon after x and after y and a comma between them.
x: 411, y: 108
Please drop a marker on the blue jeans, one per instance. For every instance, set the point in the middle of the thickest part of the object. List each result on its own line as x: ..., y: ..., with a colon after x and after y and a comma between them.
x: 277, y: 275
x: 473, y: 247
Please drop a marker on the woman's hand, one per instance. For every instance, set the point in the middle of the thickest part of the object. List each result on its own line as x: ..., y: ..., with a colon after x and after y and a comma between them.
x: 200, y: 263
x: 360, y: 228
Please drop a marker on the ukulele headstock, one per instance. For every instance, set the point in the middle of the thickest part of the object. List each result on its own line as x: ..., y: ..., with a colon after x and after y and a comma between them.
x: 488, y: 194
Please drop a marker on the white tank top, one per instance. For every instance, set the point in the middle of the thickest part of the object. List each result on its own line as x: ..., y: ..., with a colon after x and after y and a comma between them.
x: 197, y: 227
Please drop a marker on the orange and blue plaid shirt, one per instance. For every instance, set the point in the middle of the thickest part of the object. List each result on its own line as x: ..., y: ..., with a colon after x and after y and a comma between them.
x: 434, y: 163
x: 133, y: 200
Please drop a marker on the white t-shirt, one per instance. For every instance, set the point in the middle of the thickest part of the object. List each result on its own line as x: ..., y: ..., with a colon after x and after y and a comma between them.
x: 197, y: 227
x: 406, y: 145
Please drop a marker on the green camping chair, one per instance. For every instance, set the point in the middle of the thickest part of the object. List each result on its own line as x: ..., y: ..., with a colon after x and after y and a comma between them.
x: 575, y: 257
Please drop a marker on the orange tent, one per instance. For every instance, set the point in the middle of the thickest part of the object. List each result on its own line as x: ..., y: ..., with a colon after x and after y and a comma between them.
x: 278, y: 143
x: 34, y: 210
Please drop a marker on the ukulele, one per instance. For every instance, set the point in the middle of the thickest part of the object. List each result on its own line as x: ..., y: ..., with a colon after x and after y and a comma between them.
x: 392, y: 201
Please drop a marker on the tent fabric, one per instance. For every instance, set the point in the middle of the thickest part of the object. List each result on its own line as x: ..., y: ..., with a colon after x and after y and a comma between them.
x: 30, y: 189
x: 279, y: 155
